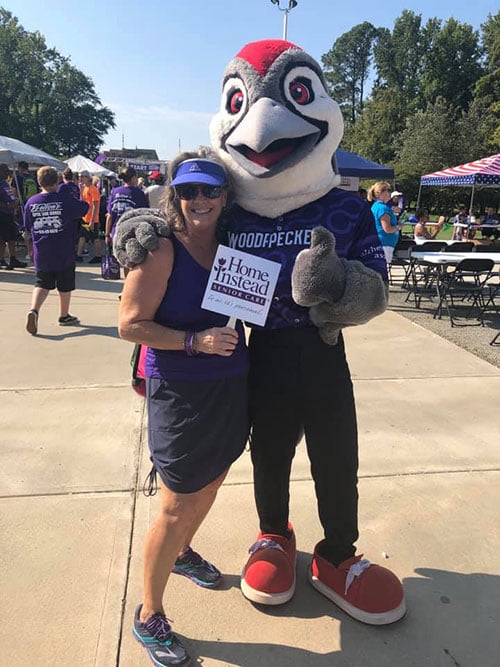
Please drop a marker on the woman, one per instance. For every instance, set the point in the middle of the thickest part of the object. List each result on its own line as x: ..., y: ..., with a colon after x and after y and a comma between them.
x: 385, y: 219
x: 421, y: 234
x: 196, y: 370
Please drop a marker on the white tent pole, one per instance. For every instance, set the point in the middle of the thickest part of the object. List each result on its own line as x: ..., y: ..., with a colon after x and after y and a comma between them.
x: 471, y: 200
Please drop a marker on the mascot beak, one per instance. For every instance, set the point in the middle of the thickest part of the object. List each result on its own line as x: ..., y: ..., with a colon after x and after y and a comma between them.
x: 270, y: 139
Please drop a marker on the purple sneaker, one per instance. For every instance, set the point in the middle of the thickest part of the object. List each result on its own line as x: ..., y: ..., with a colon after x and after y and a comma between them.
x: 194, y: 567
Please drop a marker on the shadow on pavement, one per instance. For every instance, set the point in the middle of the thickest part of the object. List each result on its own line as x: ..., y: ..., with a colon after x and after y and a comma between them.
x: 83, y: 330
x: 86, y: 280
x: 451, y: 622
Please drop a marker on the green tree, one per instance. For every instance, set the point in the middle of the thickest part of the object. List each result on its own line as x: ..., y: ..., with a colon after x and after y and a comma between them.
x: 451, y: 65
x: 44, y: 100
x: 399, y: 57
x: 74, y: 121
x: 376, y: 133
x: 436, y: 138
x: 347, y: 66
x: 487, y: 88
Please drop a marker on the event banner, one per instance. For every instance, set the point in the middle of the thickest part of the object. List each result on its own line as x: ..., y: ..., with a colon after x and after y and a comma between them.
x: 241, y: 285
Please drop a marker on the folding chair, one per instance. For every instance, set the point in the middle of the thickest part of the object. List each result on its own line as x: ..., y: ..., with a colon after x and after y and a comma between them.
x: 492, y: 291
x: 484, y: 248
x: 465, y: 286
x: 460, y: 246
x: 401, y: 258
x: 423, y: 275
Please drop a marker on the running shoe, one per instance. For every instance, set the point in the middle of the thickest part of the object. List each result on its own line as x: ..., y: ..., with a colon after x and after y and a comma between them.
x: 16, y: 264
x: 32, y: 322
x: 156, y: 636
x: 68, y: 320
x: 194, y: 567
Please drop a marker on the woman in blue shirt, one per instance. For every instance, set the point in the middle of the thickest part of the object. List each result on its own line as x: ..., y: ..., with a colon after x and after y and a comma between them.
x: 385, y: 220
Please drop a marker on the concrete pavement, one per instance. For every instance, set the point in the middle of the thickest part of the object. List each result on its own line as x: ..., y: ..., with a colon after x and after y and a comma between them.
x: 73, y: 458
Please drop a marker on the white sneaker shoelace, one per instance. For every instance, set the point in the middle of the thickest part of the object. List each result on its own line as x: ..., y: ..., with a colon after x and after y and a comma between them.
x: 356, y: 570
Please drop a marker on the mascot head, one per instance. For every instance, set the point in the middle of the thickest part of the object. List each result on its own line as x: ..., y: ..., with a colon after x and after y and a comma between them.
x: 277, y: 129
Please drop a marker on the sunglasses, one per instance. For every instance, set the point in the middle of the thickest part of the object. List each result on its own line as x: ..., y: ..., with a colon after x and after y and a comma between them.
x: 190, y: 192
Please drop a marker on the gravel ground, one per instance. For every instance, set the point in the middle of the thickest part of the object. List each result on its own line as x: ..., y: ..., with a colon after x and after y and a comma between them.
x: 475, y: 339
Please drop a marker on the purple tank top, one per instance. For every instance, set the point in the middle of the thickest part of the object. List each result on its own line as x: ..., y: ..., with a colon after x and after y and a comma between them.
x: 180, y: 309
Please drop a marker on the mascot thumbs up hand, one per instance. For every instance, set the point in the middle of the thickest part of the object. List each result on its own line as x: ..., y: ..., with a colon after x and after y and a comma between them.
x: 318, y: 274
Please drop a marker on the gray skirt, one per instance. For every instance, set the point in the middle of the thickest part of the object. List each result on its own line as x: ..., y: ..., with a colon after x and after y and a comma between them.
x: 196, y: 429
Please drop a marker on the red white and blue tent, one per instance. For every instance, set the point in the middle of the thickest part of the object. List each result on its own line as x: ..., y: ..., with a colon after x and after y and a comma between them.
x: 484, y: 173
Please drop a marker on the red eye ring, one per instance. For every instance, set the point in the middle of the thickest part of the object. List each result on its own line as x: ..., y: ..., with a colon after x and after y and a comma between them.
x: 235, y: 102
x: 301, y: 91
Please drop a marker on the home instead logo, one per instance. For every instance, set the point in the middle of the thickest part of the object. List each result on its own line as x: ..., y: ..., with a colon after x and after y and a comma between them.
x: 236, y: 279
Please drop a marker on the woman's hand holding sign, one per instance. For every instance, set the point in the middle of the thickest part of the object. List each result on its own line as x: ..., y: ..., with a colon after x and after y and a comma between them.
x: 218, y: 340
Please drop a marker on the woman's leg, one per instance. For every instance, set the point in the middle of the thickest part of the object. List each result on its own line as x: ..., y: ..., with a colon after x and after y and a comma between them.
x: 178, y: 519
x: 196, y: 523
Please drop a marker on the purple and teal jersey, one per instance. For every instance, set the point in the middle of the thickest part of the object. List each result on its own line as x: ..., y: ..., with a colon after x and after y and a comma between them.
x: 181, y: 309
x: 51, y: 219
x: 281, y: 239
x: 123, y: 198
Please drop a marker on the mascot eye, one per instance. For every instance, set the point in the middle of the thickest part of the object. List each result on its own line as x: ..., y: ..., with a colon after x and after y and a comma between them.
x: 235, y: 102
x: 301, y: 91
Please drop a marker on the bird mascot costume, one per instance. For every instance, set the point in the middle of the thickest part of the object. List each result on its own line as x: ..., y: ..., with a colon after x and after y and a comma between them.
x: 277, y: 131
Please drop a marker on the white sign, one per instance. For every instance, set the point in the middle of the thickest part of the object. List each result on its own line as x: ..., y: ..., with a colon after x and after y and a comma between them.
x: 241, y: 285
x: 349, y: 183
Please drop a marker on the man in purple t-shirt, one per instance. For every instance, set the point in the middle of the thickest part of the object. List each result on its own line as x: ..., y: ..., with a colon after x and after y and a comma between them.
x: 51, y: 217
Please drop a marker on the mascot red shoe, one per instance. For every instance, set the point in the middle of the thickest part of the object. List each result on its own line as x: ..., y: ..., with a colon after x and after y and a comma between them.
x: 277, y: 131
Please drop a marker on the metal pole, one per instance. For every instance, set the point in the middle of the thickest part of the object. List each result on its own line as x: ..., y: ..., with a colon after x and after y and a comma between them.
x: 471, y: 200
x: 285, y: 24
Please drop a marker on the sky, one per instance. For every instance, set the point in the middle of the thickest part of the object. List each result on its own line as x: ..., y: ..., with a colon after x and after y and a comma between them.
x: 158, y: 65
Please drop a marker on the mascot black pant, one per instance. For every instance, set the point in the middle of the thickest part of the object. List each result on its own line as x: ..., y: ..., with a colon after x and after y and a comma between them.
x: 299, y: 385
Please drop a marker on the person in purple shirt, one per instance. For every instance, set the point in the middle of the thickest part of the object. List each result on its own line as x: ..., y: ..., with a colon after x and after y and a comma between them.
x: 68, y: 186
x: 123, y: 198
x: 8, y: 227
x: 51, y: 217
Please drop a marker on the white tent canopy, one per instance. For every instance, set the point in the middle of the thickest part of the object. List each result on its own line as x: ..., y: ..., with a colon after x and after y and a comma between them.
x: 79, y: 163
x: 13, y: 151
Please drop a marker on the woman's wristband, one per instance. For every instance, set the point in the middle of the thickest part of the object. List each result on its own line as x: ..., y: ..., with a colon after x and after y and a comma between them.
x: 190, y: 343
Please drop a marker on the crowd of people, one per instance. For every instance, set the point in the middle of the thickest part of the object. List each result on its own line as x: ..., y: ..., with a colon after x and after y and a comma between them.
x: 60, y: 218
x: 391, y: 215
